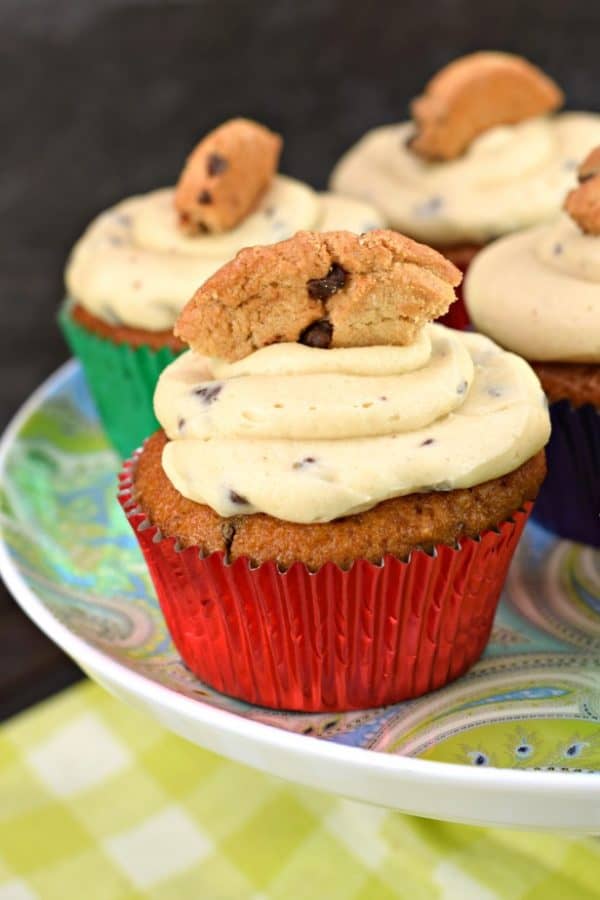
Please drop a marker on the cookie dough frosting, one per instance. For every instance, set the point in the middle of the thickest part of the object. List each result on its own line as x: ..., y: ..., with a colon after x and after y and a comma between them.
x: 509, y: 178
x: 538, y: 293
x: 134, y: 265
x: 310, y: 435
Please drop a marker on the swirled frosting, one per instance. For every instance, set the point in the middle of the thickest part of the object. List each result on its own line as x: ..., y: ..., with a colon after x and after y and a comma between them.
x: 511, y: 177
x: 538, y: 293
x: 134, y: 266
x: 309, y: 435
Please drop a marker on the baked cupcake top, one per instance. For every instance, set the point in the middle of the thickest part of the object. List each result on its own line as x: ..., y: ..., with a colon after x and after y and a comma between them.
x: 381, y: 405
x: 538, y: 292
x: 138, y: 263
x: 485, y: 154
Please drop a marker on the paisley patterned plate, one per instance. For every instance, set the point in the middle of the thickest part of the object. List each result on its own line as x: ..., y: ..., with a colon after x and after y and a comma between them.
x: 516, y: 741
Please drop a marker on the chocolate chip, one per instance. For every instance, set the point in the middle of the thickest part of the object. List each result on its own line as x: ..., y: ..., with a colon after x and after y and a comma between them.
x: 440, y: 486
x: 269, y: 212
x: 216, y: 164
x: 123, y: 219
x: 586, y: 176
x: 180, y: 425
x: 383, y: 399
x: 462, y: 387
x: 321, y: 288
x: 427, y: 442
x: 557, y: 249
x: 494, y: 391
x: 209, y: 393
x: 110, y: 315
x: 184, y: 219
x: 238, y: 499
x: 205, y: 197
x: 318, y: 334
x: 430, y: 207
x: 303, y: 463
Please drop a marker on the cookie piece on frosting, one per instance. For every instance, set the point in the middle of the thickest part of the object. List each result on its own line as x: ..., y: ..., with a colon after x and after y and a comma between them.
x: 476, y: 93
x: 226, y: 175
x: 331, y: 289
x: 583, y: 202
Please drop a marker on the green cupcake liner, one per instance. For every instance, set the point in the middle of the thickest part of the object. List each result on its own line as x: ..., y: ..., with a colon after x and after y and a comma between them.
x: 121, y: 380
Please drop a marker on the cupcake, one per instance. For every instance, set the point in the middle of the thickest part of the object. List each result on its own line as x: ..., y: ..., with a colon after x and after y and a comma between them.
x: 330, y: 508
x: 138, y: 263
x: 486, y: 153
x: 538, y: 293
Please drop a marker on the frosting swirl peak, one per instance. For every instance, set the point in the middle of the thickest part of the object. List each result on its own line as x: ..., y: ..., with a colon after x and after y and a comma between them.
x: 510, y: 177
x: 538, y: 293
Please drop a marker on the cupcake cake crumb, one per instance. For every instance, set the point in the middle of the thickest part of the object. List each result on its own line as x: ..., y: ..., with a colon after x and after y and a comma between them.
x: 397, y: 526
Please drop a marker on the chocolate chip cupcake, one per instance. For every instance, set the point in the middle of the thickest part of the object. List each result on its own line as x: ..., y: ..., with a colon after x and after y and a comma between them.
x: 331, y: 506
x: 538, y: 293
x: 138, y: 263
x: 486, y: 154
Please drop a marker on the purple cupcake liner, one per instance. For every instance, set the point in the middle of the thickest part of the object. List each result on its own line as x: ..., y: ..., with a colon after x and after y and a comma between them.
x: 569, y: 501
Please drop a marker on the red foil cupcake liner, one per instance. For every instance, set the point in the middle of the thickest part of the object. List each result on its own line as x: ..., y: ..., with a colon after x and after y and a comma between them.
x: 331, y: 639
x: 457, y: 316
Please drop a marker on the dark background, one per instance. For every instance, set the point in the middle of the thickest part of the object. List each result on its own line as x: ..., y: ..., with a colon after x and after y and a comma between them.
x: 104, y: 98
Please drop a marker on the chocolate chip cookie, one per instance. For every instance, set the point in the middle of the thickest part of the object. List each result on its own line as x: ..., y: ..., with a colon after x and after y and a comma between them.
x: 226, y: 175
x: 332, y: 289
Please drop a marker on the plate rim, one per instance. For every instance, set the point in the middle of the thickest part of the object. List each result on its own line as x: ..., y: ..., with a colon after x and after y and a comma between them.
x: 486, y: 778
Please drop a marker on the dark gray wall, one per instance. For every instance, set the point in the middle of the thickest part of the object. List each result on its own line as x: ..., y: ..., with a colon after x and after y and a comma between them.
x: 100, y: 98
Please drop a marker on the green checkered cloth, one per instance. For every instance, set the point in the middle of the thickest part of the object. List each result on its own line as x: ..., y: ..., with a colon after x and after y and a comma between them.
x: 99, y: 802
